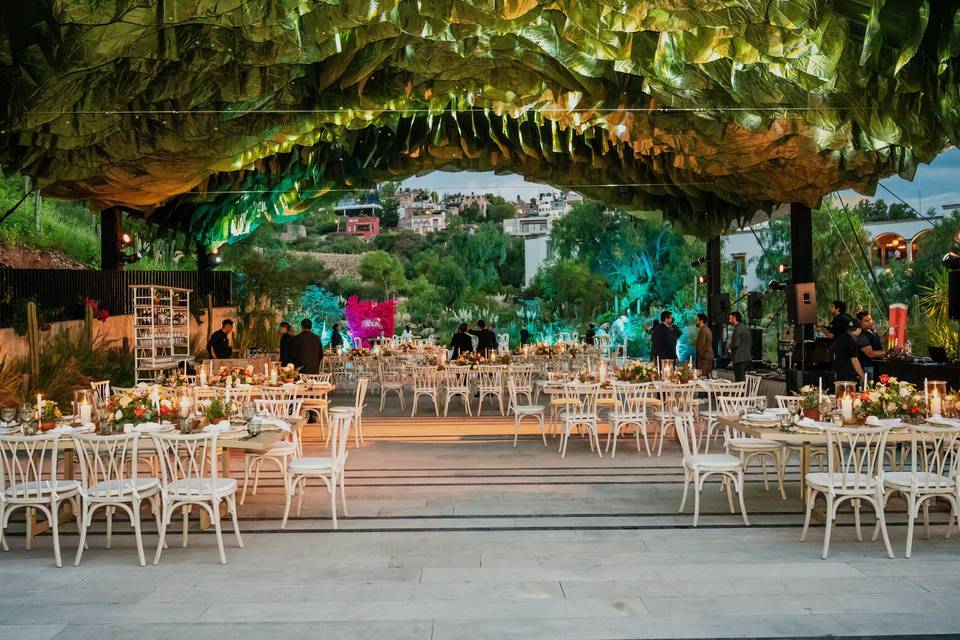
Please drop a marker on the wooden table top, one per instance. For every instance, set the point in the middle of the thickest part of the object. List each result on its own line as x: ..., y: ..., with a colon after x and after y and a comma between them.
x: 900, y: 434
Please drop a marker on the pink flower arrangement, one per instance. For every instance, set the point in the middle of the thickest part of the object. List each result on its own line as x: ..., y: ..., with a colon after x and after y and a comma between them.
x: 368, y: 319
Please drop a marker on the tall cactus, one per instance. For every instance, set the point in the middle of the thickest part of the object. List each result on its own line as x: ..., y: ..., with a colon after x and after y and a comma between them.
x: 33, y: 337
x: 88, y: 325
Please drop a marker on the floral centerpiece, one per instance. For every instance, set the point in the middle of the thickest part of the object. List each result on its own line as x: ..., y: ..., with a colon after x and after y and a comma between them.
x: 544, y: 349
x: 358, y: 353
x: 891, y: 398
x: 637, y: 371
x: 470, y: 359
x: 683, y: 373
x: 49, y: 414
x: 135, y: 408
x: 810, y: 401
x: 216, y: 411
x: 175, y: 379
x: 406, y: 347
x: 501, y: 358
x: 586, y: 376
x: 289, y: 373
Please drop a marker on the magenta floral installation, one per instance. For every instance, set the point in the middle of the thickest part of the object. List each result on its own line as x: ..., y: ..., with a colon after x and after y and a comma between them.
x: 368, y: 319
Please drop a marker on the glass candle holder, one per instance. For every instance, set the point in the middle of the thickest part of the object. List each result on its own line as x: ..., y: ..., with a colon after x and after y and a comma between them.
x: 846, y: 396
x: 935, y: 392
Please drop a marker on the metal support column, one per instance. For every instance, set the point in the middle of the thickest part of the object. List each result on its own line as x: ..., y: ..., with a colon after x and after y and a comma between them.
x: 714, y: 288
x: 204, y: 260
x: 801, y: 255
x: 110, y: 229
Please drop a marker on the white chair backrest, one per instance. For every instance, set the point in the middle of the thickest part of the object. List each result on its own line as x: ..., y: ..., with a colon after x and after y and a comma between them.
x: 739, y: 405
x: 677, y: 397
x: 753, y: 384
x: 686, y: 434
x: 284, y: 392
x: 632, y: 398
x: 283, y: 409
x: 788, y: 402
x: 503, y: 342
x: 456, y: 377
x: 111, y: 460
x: 101, y: 390
x: 425, y: 378
x: 522, y: 374
x: 316, y: 378
x: 580, y: 399
x: 490, y: 376
x: 358, y: 343
x: 28, y: 463
x: 191, y: 457
x: 936, y: 451
x: 361, y: 394
x: 854, y: 455
x: 340, y: 423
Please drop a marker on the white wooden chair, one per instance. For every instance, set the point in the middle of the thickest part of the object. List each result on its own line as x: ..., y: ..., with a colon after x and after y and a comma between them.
x: 753, y: 384
x: 579, y: 412
x: 283, y: 450
x: 101, y: 391
x: 713, y: 389
x: 675, y: 399
x: 188, y: 465
x: 391, y: 381
x: 791, y: 403
x: 739, y: 444
x: 934, y: 473
x: 521, y: 411
x: 426, y: 383
x: 698, y: 467
x: 356, y: 410
x: 108, y: 472
x: 489, y: 383
x: 329, y: 469
x: 28, y: 480
x: 630, y: 407
x: 854, y: 472
x: 456, y: 384
x: 503, y: 343
x: 316, y: 378
x: 522, y: 376
x: 283, y: 392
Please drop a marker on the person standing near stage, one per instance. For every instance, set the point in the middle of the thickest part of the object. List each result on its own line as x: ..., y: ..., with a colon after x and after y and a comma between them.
x: 846, y: 355
x: 869, y: 343
x: 219, y: 344
x: 588, y: 338
x: 663, y: 338
x: 740, y: 342
x: 704, y: 345
x: 839, y: 320
x: 307, y: 348
x: 286, y: 344
x: 461, y: 342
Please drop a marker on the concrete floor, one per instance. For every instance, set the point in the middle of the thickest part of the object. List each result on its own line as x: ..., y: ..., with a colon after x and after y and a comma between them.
x: 453, y: 538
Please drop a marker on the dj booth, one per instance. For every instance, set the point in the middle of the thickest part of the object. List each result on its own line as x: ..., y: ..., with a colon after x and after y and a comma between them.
x: 917, y: 372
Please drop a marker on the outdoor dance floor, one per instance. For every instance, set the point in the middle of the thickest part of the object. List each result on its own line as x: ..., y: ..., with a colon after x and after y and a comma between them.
x: 453, y: 538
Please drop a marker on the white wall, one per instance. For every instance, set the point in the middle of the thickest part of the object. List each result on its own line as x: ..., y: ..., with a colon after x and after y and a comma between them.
x: 534, y: 255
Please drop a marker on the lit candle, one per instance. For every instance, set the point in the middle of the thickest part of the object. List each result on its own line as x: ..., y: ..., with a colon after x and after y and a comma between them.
x: 846, y: 408
x: 820, y: 391
x: 156, y: 398
x: 266, y: 369
x: 39, y: 408
x: 226, y: 397
x: 86, y: 413
x: 602, y: 371
x: 203, y: 376
x: 184, y: 407
x: 273, y: 376
x: 936, y: 404
x: 926, y: 392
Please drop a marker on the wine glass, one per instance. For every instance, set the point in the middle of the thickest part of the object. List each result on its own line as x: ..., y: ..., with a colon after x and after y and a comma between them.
x: 8, y: 415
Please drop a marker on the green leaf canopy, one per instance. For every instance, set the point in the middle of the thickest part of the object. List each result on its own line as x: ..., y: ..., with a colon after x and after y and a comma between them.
x: 211, y: 116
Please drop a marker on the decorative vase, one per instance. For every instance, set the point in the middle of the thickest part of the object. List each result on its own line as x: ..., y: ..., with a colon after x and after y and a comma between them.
x: 46, y: 426
x: 813, y: 414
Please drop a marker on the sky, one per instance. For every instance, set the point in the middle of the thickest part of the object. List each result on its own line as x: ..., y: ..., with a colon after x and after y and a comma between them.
x: 933, y: 185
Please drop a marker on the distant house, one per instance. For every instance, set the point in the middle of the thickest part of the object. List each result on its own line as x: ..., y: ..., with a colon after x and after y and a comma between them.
x: 425, y: 223
x: 366, y: 227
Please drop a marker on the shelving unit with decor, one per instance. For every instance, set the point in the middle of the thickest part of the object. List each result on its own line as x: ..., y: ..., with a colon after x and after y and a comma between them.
x: 161, y: 323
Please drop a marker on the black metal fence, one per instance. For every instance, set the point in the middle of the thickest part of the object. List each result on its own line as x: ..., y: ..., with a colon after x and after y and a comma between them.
x: 59, y: 293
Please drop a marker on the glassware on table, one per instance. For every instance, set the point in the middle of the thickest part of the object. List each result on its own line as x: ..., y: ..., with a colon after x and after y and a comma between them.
x: 27, y: 413
x: 8, y: 415
x: 249, y: 411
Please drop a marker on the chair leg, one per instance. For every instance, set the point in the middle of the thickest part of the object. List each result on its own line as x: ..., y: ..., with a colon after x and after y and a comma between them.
x: 743, y: 506
x: 256, y: 475
x: 185, y: 511
x: 911, y: 518
x: 164, y: 520
x: 232, y: 503
x: 83, y: 539
x: 333, y: 499
x: 856, y: 519
x: 686, y: 486
x: 303, y: 488
x: 811, y: 496
x: 543, y: 430
x: 31, y: 516
x: 218, y: 531
x: 246, y: 477
x: 288, y: 489
x: 55, y: 531
x: 109, y: 511
x: 781, y: 472
x: 829, y: 527
x: 343, y: 494
x: 883, y: 526
x: 696, y: 498
x: 926, y: 519
x: 728, y: 488
x: 135, y: 513
x: 516, y: 429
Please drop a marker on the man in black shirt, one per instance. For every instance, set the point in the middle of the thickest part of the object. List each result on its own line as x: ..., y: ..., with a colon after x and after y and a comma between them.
x: 486, y: 339
x: 219, y: 344
x: 524, y: 337
x: 840, y: 320
x: 286, y: 344
x: 664, y: 338
x: 869, y: 343
x: 846, y: 355
x: 336, y: 340
x: 307, y: 349
x: 591, y: 332
x: 461, y: 342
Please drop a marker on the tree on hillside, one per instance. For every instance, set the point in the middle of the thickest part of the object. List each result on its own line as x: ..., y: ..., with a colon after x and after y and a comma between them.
x: 878, y: 210
x: 390, y: 215
x: 498, y: 209
x: 572, y: 289
x: 450, y: 278
x: 481, y: 254
x: 383, y: 269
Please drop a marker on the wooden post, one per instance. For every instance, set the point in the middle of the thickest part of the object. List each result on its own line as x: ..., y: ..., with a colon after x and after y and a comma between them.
x: 110, y: 239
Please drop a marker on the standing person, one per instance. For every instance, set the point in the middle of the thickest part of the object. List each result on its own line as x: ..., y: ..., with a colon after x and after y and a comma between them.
x: 336, y: 340
x: 869, y: 343
x: 839, y: 320
x: 846, y: 355
x: 486, y: 339
x: 286, y: 344
x: 219, y: 344
x: 307, y: 348
x: 704, y: 345
x: 740, y: 350
x: 524, y: 337
x: 407, y: 334
x: 461, y: 342
x: 590, y: 334
x: 664, y: 338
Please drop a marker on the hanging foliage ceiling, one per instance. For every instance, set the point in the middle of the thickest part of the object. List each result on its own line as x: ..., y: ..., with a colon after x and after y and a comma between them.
x: 210, y: 116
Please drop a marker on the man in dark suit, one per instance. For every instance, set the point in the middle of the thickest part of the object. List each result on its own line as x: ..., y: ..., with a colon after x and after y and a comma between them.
x: 461, y: 342
x: 664, y: 338
x: 286, y: 344
x: 307, y: 349
x: 486, y: 339
x: 588, y: 337
x: 219, y: 344
x: 336, y: 340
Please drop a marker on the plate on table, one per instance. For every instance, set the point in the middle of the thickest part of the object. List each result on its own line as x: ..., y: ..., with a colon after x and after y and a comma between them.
x: 152, y: 427
x: 69, y: 429
x: 940, y: 421
x: 892, y: 423
x: 220, y: 427
x: 765, y: 418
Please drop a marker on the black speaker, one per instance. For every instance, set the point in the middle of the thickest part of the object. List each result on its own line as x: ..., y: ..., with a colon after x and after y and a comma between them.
x: 953, y: 293
x: 756, y: 344
x: 802, y: 303
x: 754, y: 307
x: 719, y: 307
